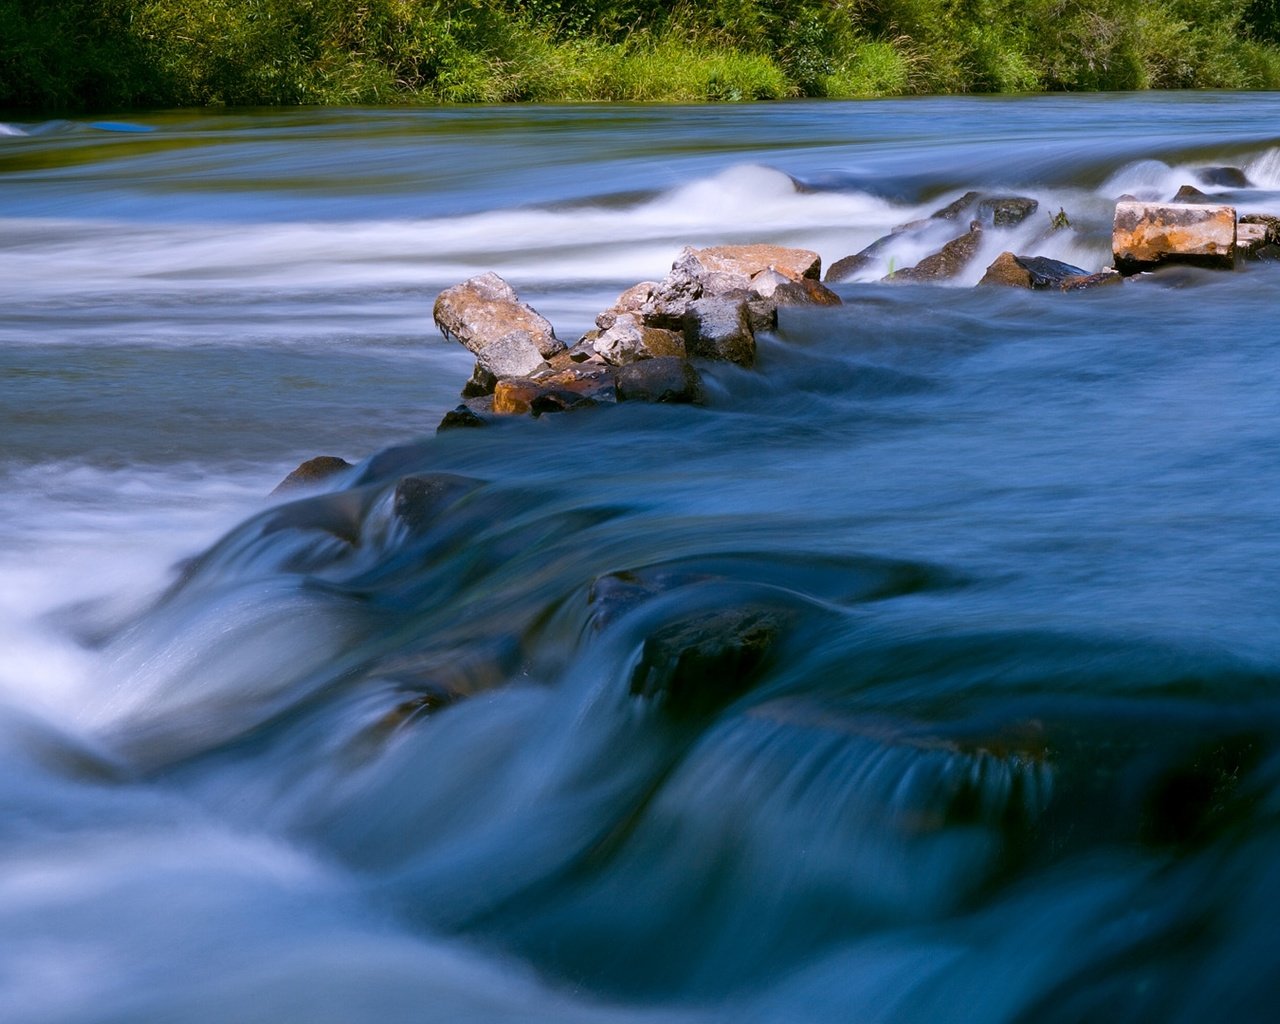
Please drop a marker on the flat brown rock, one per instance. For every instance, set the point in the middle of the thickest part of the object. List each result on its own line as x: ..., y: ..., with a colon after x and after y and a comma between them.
x: 1147, y: 235
x: 749, y: 260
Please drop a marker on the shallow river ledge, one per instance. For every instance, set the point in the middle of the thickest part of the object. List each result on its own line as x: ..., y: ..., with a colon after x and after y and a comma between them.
x: 926, y: 670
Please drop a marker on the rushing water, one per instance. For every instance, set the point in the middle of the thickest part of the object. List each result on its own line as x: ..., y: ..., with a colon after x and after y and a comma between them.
x: 1012, y: 754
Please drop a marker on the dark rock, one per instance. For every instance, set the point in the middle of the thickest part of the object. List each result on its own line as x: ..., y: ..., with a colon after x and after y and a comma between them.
x: 1189, y: 194
x: 474, y: 412
x: 717, y: 328
x: 664, y: 379
x: 1036, y: 272
x: 419, y: 499
x: 1268, y: 253
x: 1147, y: 235
x: 946, y: 263
x: 1223, y: 177
x: 312, y: 473
x: 481, y: 382
x: 701, y: 663
x: 953, y: 210
x: 1007, y: 211
x: 805, y: 293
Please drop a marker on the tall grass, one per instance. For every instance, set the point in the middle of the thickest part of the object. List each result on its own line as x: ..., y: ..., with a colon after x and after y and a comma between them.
x: 123, y: 53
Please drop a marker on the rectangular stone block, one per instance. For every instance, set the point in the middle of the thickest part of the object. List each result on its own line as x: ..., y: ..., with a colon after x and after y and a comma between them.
x: 1147, y: 235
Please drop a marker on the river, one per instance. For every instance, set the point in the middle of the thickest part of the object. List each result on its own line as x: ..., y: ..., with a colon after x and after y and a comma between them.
x: 1012, y: 750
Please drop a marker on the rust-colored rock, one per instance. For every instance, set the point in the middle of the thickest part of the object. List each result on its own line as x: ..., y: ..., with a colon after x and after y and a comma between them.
x: 567, y: 389
x: 805, y: 292
x: 1147, y: 235
x: 747, y: 261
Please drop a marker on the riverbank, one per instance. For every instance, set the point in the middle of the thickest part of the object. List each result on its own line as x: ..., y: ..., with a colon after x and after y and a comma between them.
x: 109, y: 54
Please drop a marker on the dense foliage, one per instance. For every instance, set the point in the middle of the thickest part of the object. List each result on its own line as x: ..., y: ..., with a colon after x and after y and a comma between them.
x: 123, y: 53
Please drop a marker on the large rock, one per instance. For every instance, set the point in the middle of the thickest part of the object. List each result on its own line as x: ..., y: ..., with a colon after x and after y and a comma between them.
x: 484, y: 312
x: 1147, y: 235
x: 718, y: 328
x: 953, y: 258
x: 746, y: 261
x: 1223, y: 177
x: 1036, y: 272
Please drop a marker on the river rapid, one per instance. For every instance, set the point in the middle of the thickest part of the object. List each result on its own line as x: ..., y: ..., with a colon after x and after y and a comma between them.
x: 1010, y: 753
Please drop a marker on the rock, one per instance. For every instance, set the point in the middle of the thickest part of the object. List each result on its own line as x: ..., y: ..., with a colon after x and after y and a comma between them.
x: 576, y: 387
x: 717, y: 328
x: 512, y: 355
x: 701, y: 663
x: 843, y: 269
x: 1147, y: 235
x: 632, y: 300
x: 806, y: 292
x: 474, y: 412
x: 749, y: 260
x: 1007, y: 211
x: 663, y: 379
x: 1249, y: 239
x: 485, y: 310
x: 420, y: 498
x: 1036, y: 272
x: 953, y: 210
x: 946, y: 263
x: 1271, y: 222
x: 1188, y: 194
x: 480, y: 382
x: 1269, y: 253
x: 312, y: 473
x: 1223, y: 177
x: 630, y: 339
x: 1103, y: 278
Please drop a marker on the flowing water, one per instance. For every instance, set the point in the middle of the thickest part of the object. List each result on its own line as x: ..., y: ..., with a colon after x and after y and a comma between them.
x: 1001, y: 743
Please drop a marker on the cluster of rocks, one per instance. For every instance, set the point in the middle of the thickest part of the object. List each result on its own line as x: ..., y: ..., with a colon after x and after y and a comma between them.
x: 715, y: 300
x: 710, y: 306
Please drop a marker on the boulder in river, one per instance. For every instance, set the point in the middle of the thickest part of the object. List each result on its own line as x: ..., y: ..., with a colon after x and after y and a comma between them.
x: 1148, y: 235
x: 1035, y: 272
x: 1189, y: 194
x: 1223, y: 177
x: 485, y: 315
x: 573, y: 388
x: 948, y: 262
x: 744, y: 262
x: 1007, y: 211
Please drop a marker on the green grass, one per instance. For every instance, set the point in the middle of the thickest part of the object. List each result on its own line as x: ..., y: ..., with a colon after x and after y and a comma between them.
x: 86, y: 54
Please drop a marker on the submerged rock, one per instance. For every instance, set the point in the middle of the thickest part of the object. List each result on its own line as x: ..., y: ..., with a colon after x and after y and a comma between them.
x: 473, y: 412
x: 703, y: 662
x: 954, y: 209
x: 312, y: 473
x: 663, y: 379
x: 419, y: 499
x: 1148, y: 235
x: 947, y: 263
